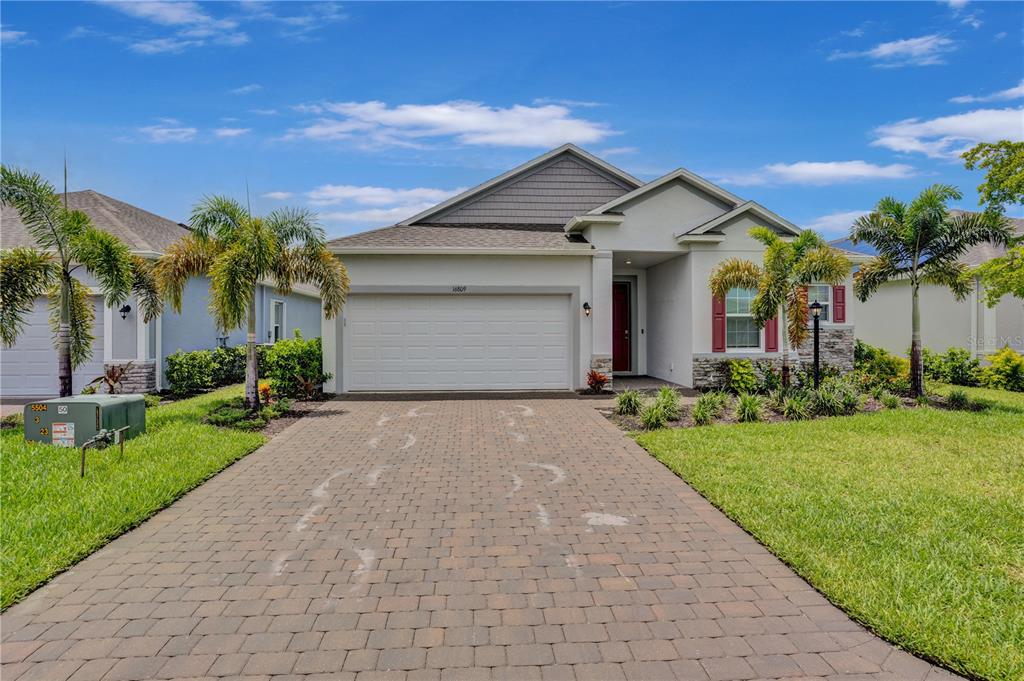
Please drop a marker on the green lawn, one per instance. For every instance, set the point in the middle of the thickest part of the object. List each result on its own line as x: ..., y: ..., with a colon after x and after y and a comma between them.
x: 912, y: 520
x: 50, y: 518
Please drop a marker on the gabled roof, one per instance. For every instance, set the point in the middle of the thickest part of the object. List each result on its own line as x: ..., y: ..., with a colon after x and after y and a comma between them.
x: 751, y: 207
x: 570, y: 150
x: 140, y: 230
x: 679, y: 174
x: 461, y: 238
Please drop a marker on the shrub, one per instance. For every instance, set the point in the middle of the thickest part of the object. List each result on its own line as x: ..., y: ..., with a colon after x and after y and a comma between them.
x: 959, y: 367
x: 668, y: 399
x: 263, y: 388
x: 957, y: 399
x: 596, y: 381
x: 748, y: 408
x: 228, y: 365
x: 741, y: 376
x: 189, y: 372
x: 889, y: 401
x: 768, y: 379
x: 292, y: 365
x: 1005, y: 371
x: 628, y: 403
x: 796, y: 407
x: 653, y: 416
x: 234, y: 414
x: 932, y: 364
x: 776, y: 399
x: 702, y: 414
x: 877, y: 367
x: 151, y: 400
x: 835, y: 397
x: 709, y: 406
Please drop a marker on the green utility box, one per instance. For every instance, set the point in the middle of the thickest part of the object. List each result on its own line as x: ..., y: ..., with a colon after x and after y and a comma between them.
x: 73, y: 421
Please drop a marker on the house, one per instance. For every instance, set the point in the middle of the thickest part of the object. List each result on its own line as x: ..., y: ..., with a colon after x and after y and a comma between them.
x: 29, y: 368
x: 884, y: 320
x: 559, y: 266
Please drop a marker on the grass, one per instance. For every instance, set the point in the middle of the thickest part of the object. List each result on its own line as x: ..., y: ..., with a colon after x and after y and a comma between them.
x: 50, y: 518
x: 910, y: 520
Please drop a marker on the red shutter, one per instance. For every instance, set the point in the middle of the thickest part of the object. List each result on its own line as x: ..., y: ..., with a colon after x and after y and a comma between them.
x: 771, y: 335
x: 717, y: 324
x: 839, y: 304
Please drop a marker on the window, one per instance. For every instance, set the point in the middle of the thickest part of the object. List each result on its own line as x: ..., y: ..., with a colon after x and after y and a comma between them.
x: 823, y: 294
x: 740, y: 329
x: 277, y: 320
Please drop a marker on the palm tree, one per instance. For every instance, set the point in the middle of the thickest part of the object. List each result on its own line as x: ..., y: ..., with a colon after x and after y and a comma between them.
x: 789, y: 268
x: 65, y: 240
x: 238, y: 251
x: 922, y: 243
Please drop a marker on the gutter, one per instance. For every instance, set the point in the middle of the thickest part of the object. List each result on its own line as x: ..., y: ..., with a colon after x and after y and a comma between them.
x: 589, y: 252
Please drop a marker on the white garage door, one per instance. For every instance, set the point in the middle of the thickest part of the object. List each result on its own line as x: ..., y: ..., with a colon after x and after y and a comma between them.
x: 29, y: 368
x: 457, y: 342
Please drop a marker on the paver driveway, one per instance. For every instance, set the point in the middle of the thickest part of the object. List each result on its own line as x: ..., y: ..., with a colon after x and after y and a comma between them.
x: 442, y: 539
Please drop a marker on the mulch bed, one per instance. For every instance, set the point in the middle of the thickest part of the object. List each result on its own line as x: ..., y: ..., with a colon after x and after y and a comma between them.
x: 301, y: 409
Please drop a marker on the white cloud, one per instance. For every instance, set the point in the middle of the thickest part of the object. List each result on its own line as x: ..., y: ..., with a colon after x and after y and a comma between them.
x: 9, y: 37
x: 835, y: 225
x: 278, y: 196
x: 571, y: 103
x: 329, y: 194
x: 617, y: 151
x: 957, y: 4
x: 263, y: 112
x: 973, y: 20
x: 926, y: 50
x: 469, y: 123
x: 168, y: 130
x: 819, y: 173
x: 300, y: 25
x: 948, y: 136
x: 1009, y: 94
x: 193, y: 27
x: 246, y: 89
x: 376, y: 217
x: 231, y: 132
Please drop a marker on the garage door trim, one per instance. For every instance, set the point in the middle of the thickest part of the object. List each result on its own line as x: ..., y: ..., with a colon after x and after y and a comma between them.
x: 457, y: 290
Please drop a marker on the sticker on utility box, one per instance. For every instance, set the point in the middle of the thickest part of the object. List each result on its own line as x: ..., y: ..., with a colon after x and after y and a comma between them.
x: 63, y: 434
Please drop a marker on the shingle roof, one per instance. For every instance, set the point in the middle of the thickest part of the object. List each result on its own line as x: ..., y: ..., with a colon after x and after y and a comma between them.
x: 140, y: 230
x: 446, y: 236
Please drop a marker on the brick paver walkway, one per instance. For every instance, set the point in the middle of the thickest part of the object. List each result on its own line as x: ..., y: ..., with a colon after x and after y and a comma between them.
x: 434, y: 540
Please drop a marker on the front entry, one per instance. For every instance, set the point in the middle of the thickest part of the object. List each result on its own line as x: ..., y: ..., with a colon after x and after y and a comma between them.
x: 621, y: 321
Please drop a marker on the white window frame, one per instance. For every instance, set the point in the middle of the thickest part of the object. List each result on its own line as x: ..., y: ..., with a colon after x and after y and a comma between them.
x: 284, y: 319
x: 829, y: 303
x: 760, y: 335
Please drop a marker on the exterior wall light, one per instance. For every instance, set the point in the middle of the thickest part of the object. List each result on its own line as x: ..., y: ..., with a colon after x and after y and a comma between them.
x: 586, y: 309
x: 125, y: 309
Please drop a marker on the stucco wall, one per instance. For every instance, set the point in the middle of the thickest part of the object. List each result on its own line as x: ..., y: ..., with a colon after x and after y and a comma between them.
x: 1009, y: 324
x: 884, y: 320
x: 669, y: 334
x: 404, y: 272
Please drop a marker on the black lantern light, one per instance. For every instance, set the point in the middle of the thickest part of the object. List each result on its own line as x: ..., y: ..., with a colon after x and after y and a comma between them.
x: 586, y: 309
x: 816, y: 314
x: 125, y: 310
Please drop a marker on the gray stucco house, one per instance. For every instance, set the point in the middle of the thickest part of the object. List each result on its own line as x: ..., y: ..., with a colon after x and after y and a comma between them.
x: 29, y: 368
x: 559, y: 266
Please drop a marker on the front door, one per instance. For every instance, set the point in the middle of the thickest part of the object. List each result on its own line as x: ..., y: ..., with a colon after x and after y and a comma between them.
x: 621, y: 348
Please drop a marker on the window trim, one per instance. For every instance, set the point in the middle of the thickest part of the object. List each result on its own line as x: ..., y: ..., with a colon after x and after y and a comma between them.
x: 284, y: 318
x: 759, y: 348
x: 829, y: 302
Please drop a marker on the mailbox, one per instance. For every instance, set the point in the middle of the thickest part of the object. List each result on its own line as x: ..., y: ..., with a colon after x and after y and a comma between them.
x: 72, y: 421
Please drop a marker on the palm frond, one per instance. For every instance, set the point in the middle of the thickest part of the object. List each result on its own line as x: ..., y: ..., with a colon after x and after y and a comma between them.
x: 873, y: 274
x: 261, y: 244
x: 764, y: 234
x: 146, y: 289
x: 217, y: 217
x: 296, y: 226
x: 187, y: 257
x: 822, y: 264
x: 320, y: 268
x: 796, y: 315
x: 733, y: 273
x: 883, y: 230
x: 232, y: 285
x: 37, y: 204
x: 25, y: 274
x: 771, y: 293
x: 807, y: 240
x: 961, y: 232
x: 106, y: 258
x: 82, y: 317
x: 953, y: 275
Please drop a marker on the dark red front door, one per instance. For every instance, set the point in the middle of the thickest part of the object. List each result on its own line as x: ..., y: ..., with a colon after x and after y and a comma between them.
x: 620, y: 326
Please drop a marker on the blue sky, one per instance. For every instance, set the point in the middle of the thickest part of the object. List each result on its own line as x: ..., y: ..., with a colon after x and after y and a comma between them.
x: 370, y: 112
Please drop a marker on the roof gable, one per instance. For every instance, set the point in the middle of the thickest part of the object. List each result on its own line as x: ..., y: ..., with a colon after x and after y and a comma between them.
x: 550, y: 189
x: 750, y: 207
x: 679, y: 175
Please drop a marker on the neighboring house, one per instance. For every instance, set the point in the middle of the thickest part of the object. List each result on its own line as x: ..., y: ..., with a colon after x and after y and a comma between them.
x: 884, y: 320
x: 561, y: 265
x: 29, y: 368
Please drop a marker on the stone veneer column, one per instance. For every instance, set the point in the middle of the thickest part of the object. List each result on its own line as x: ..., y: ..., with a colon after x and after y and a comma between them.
x: 141, y: 377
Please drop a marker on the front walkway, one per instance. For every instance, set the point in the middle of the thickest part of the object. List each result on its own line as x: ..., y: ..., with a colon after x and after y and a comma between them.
x: 467, y: 539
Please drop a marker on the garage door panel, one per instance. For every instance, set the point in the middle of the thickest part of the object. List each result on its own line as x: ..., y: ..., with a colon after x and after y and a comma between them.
x: 430, y: 342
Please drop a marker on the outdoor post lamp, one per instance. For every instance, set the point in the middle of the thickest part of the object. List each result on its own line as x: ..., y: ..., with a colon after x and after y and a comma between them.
x: 586, y: 309
x: 816, y: 313
x: 125, y: 309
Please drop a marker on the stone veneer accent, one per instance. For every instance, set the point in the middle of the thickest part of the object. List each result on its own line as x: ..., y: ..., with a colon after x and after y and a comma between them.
x: 602, y: 363
x: 141, y: 377
x: 835, y: 349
